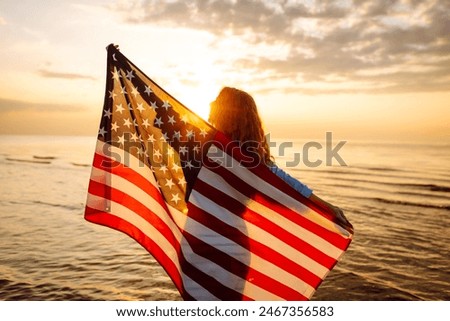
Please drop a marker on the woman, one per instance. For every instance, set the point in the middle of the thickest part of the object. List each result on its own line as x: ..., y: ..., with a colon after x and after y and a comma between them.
x: 234, y: 112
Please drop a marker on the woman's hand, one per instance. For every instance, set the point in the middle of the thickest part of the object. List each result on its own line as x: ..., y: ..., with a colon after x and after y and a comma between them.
x: 338, y: 214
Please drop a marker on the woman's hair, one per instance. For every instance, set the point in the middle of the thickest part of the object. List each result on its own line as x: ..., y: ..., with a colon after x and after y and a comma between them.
x: 235, y: 114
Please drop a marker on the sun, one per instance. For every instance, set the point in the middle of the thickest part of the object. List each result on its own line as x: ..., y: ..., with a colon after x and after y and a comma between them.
x: 199, y: 97
x: 198, y: 93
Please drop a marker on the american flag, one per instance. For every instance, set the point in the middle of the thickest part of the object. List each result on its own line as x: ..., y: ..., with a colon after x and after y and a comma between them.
x: 221, y: 229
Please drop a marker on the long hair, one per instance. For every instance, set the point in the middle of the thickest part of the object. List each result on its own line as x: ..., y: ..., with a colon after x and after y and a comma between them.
x: 235, y: 114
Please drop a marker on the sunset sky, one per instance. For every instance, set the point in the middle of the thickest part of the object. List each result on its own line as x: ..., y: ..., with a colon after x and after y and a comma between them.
x: 361, y: 69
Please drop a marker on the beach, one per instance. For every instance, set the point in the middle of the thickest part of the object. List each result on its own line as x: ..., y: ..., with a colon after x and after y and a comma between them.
x: 397, y: 196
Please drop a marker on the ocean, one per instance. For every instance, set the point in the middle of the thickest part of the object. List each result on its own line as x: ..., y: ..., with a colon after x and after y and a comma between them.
x: 397, y: 195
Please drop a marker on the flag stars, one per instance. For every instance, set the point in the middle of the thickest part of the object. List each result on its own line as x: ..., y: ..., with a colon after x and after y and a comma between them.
x: 123, y: 90
x: 116, y: 74
x: 148, y: 90
x: 102, y: 131
x: 135, y: 92
x: 177, y: 135
x: 163, y: 168
x: 172, y: 120
x: 140, y: 107
x: 158, y: 121
x: 130, y: 75
x: 181, y: 181
x: 169, y: 183
x: 175, y: 198
x: 166, y: 105
x: 203, y: 132
x: 121, y: 140
x: 112, y: 94
x: 114, y: 126
x: 175, y: 167
x: 127, y: 122
x: 145, y: 123
x: 188, y: 164
x: 153, y: 105
x: 107, y: 113
x: 189, y: 133
x: 184, y: 118
x: 119, y: 108
x: 183, y: 150
x: 134, y: 137
x: 157, y: 154
x: 164, y: 137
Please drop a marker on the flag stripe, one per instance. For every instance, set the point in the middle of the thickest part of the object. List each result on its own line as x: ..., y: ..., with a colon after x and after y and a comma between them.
x: 287, y: 220
x: 253, y: 238
x: 262, y: 227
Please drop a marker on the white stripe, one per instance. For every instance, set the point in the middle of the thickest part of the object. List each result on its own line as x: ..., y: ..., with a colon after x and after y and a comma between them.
x: 225, y: 277
x: 258, y: 234
x: 221, y: 157
x: 313, y: 239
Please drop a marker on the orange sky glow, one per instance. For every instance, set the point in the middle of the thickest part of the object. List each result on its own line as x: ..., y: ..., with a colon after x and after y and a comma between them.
x: 360, y: 69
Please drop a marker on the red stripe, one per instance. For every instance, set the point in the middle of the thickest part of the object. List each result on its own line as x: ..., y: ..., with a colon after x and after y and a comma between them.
x: 106, y: 219
x: 276, y: 206
x: 253, y: 246
x: 244, y: 271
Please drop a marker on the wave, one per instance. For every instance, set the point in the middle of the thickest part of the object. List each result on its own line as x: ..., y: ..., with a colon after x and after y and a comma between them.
x: 31, y: 202
x: 44, y: 157
x: 66, y: 206
x: 429, y: 187
x: 80, y: 164
x: 24, y: 291
x: 406, y: 203
x: 34, y: 161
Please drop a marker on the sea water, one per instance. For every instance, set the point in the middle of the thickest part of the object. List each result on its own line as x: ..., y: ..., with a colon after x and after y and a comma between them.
x: 397, y: 195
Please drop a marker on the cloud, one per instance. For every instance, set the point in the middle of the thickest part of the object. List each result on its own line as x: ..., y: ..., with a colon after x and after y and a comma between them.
x: 62, y: 75
x: 380, y: 46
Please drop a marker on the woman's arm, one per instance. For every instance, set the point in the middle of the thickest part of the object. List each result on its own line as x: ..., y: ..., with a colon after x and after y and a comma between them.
x: 336, y: 211
x: 308, y: 193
